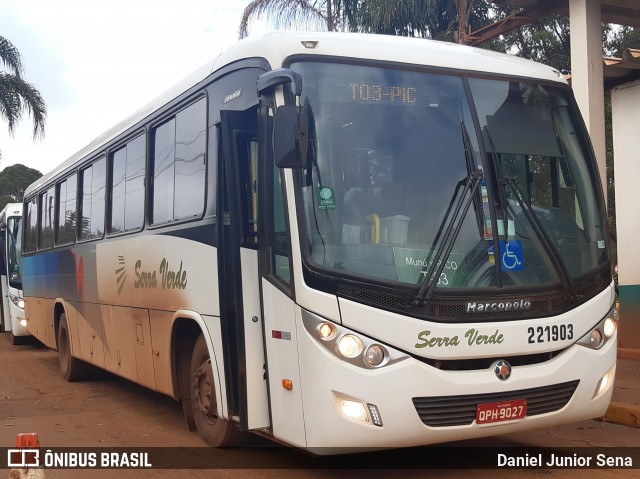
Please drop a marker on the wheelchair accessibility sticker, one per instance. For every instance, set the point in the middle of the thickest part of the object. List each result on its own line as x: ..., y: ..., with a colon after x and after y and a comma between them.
x: 511, y: 252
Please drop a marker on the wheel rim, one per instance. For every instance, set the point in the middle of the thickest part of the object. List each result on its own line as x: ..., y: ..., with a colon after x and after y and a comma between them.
x: 203, y: 396
x: 64, y: 351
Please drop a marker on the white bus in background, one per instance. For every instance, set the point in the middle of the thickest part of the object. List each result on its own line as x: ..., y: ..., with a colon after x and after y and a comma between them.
x: 338, y: 241
x: 12, y: 314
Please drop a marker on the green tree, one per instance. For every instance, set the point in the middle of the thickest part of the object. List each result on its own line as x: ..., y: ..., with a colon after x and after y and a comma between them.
x: 16, y: 95
x: 436, y: 19
x: 14, y: 180
x: 327, y: 14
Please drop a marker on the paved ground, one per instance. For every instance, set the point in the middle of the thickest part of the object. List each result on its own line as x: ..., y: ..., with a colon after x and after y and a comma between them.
x: 111, y: 412
x: 625, y: 403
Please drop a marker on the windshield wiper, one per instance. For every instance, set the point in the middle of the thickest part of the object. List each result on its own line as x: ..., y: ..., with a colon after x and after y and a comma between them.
x: 449, y: 231
x: 543, y: 236
x: 534, y: 221
x: 470, y: 159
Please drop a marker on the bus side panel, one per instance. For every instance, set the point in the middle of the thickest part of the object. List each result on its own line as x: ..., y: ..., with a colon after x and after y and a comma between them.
x: 160, y: 335
x: 6, y: 315
x: 143, y: 347
x: 39, y: 313
x: 91, y: 334
x: 71, y: 310
x: 157, y: 271
x: 119, y: 348
x: 287, y: 415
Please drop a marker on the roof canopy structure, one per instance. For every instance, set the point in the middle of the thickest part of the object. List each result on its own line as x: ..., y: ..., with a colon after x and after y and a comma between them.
x: 622, y: 70
x: 620, y: 12
x: 588, y: 75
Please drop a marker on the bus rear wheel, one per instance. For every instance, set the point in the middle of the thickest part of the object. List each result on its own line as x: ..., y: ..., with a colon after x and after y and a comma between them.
x: 214, y: 430
x: 72, y: 369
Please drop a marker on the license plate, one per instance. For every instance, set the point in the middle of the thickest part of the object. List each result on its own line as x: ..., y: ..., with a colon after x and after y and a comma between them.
x: 501, y: 411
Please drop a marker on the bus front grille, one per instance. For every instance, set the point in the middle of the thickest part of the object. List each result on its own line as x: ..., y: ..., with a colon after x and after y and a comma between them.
x: 443, y: 411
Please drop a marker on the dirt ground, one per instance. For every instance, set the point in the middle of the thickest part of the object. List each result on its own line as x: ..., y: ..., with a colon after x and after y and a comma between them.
x: 110, y: 412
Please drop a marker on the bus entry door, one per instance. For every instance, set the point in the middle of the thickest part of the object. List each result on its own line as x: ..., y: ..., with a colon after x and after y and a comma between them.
x: 241, y: 308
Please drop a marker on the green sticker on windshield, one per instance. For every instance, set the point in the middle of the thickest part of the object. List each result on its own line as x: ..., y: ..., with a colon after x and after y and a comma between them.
x: 326, y: 198
x: 412, y: 266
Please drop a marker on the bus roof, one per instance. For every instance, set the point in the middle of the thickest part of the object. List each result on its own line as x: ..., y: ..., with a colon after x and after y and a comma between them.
x: 12, y: 209
x: 276, y: 47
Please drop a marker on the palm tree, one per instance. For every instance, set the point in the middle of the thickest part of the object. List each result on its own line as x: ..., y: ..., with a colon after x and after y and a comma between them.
x: 416, y: 18
x: 326, y: 14
x: 16, y: 95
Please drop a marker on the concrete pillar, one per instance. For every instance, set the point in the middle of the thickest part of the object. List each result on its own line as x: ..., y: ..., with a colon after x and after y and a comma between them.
x: 586, y: 73
x: 625, y: 108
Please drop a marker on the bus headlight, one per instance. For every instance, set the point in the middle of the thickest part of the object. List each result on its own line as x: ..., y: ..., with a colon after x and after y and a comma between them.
x: 374, y: 355
x: 349, y: 346
x: 595, y: 338
x: 602, y: 332
x: 17, y: 301
x: 609, y: 327
x: 326, y: 331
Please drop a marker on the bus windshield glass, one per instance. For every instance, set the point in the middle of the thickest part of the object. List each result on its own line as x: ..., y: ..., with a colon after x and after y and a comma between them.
x: 14, y: 252
x: 390, y: 152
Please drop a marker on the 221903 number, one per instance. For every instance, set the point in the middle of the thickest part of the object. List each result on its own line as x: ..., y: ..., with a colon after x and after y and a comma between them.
x: 548, y: 334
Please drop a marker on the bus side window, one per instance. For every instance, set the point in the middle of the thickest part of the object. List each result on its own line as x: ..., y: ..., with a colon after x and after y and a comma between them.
x: 92, y: 204
x: 30, y: 232
x: 66, y: 231
x: 127, y: 186
x: 179, y: 165
x: 47, y: 202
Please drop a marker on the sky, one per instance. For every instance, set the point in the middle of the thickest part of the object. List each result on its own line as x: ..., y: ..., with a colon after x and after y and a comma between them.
x: 97, y: 61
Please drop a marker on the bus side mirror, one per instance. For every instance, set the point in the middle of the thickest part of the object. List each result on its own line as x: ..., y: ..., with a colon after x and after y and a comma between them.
x: 290, y: 137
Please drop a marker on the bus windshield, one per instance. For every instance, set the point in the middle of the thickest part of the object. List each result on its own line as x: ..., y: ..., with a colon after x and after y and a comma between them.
x: 14, y: 252
x: 390, y: 150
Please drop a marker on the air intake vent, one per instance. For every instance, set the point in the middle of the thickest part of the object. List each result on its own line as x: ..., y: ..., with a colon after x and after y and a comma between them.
x: 443, y: 411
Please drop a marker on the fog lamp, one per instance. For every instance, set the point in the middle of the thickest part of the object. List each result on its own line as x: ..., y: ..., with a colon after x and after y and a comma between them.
x: 23, y: 323
x: 353, y: 409
x: 349, y: 346
x: 605, y: 382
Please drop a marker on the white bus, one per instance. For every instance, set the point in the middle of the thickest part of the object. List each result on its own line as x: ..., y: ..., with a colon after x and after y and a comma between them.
x: 339, y: 241
x: 12, y: 313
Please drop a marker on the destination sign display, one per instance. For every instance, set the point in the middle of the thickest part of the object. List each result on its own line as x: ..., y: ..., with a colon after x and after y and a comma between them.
x: 376, y: 93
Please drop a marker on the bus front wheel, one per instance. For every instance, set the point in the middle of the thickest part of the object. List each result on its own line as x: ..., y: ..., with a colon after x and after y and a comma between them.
x: 214, y: 430
x: 72, y: 368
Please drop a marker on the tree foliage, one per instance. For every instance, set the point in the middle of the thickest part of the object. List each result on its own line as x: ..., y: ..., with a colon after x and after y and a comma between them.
x: 436, y: 19
x: 17, y: 96
x: 14, y: 180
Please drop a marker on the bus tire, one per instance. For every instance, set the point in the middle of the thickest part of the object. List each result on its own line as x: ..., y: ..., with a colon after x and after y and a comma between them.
x: 215, y: 431
x: 72, y: 369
